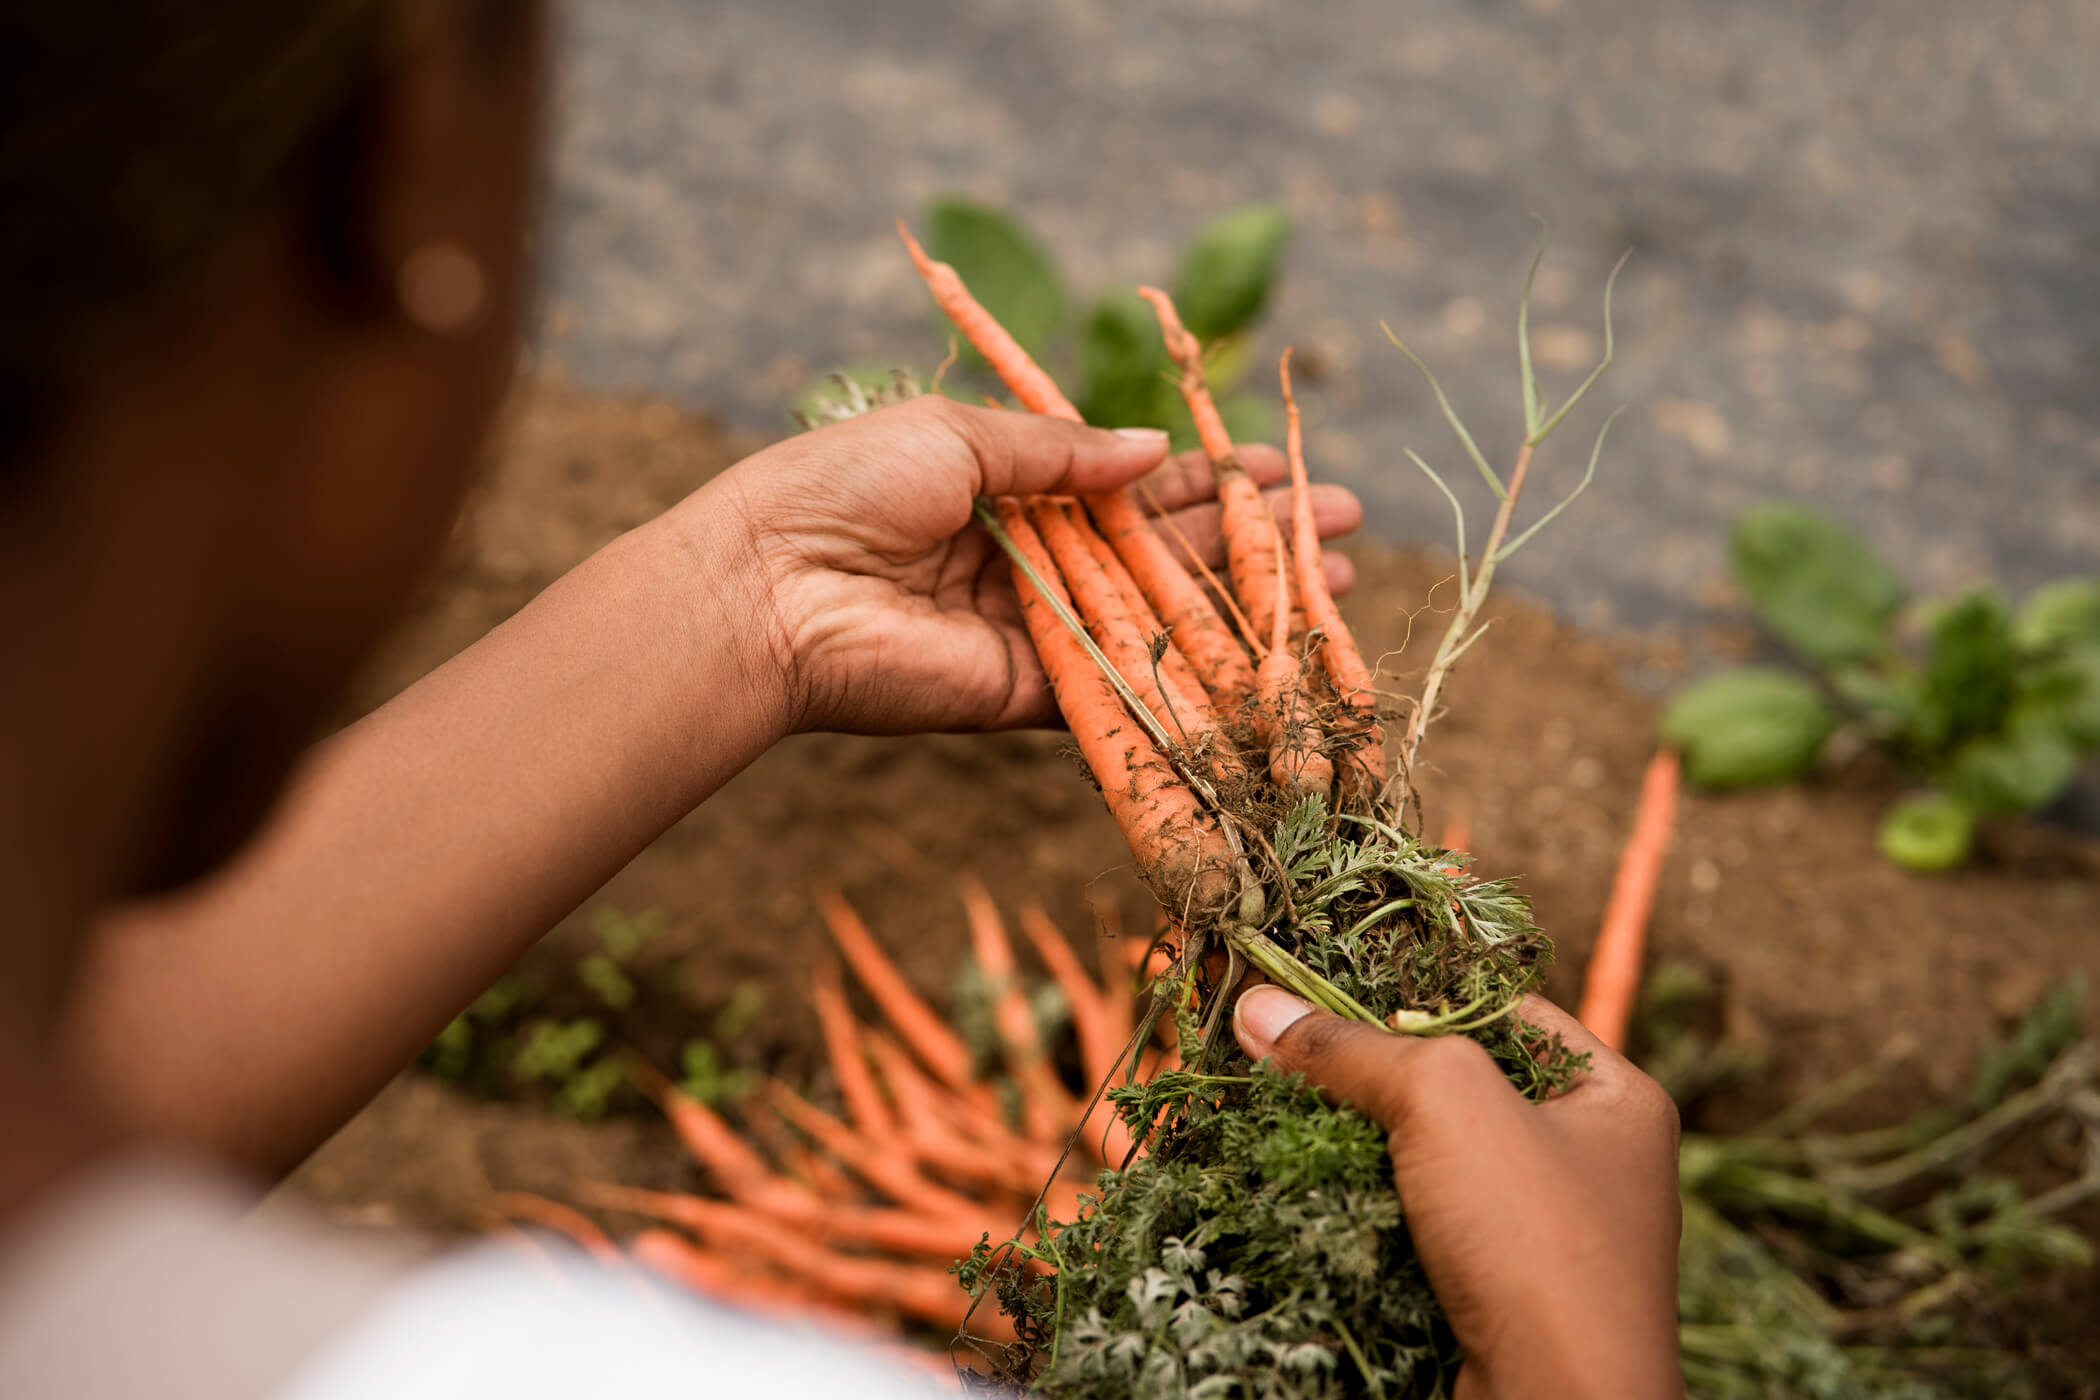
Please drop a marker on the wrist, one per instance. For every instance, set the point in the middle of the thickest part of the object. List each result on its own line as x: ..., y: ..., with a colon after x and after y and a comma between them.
x: 732, y: 673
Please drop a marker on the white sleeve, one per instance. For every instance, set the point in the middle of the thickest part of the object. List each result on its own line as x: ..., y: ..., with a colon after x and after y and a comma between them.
x: 486, y: 1322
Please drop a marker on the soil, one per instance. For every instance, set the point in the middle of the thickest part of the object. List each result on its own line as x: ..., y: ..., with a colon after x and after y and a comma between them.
x: 1826, y: 956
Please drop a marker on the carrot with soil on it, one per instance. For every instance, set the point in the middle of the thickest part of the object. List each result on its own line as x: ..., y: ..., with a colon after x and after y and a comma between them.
x: 1177, y: 598
x: 1283, y: 717
x: 1252, y: 541
x: 1613, y: 982
x: 1172, y: 665
x: 1338, y: 650
x: 1183, y: 854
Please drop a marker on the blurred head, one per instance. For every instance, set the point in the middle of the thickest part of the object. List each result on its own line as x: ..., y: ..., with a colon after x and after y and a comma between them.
x: 262, y: 268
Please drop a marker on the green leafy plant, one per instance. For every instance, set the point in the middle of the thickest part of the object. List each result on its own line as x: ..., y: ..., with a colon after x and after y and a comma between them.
x: 1989, y: 706
x: 1112, y: 347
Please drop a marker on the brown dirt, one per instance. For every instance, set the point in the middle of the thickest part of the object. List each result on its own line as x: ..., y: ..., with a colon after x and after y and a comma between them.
x: 1826, y: 954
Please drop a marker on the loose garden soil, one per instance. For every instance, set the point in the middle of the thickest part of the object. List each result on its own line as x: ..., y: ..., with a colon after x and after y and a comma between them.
x: 1826, y: 956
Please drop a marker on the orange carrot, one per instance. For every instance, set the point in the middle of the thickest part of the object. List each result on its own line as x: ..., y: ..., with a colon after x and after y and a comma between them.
x: 929, y: 1036
x: 1252, y: 541
x: 1177, y: 599
x: 1173, y: 665
x: 1345, y: 663
x: 1048, y: 1108
x: 958, y: 1138
x: 898, y: 1231
x: 1458, y: 830
x: 1099, y: 1044
x: 1613, y: 981
x: 563, y: 1220
x: 730, y: 1280
x: 1182, y: 852
x: 1123, y: 638
x: 738, y: 1169
x: 848, y: 1064
x: 1283, y: 718
x: 883, y: 1167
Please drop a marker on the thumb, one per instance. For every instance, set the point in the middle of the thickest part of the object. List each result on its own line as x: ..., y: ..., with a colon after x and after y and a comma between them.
x: 1023, y: 454
x: 1390, y: 1078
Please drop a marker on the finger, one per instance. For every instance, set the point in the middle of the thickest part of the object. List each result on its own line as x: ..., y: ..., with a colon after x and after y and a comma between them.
x: 1392, y: 1078
x: 1612, y: 1098
x: 1340, y: 573
x: 1187, y: 478
x: 1336, y: 511
x: 1021, y: 454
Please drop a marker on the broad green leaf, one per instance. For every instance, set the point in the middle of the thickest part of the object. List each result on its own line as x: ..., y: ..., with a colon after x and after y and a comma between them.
x: 1228, y: 270
x: 1929, y: 833
x: 1895, y: 702
x: 1124, y: 365
x: 2020, y: 770
x: 2063, y: 691
x: 1746, y: 727
x: 1969, y: 665
x: 2059, y: 614
x: 1814, y: 582
x: 1003, y: 266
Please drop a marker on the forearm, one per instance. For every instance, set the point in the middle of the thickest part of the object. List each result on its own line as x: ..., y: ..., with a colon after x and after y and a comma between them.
x: 427, y: 846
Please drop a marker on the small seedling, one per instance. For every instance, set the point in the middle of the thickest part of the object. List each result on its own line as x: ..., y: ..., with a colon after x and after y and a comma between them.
x: 1991, y: 708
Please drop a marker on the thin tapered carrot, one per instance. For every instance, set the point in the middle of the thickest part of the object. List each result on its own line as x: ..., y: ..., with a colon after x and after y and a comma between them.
x: 737, y: 1168
x: 884, y: 1167
x: 849, y: 1065
x: 1173, y: 665
x: 955, y: 1137
x: 730, y: 1280
x: 1242, y: 628
x: 1252, y: 541
x: 930, y: 1037
x: 1613, y: 981
x: 1037, y: 391
x: 1283, y: 717
x: 562, y: 1219
x: 1180, y: 603
x: 1047, y: 1108
x: 1338, y: 649
x: 1125, y: 639
x: 878, y: 1227
x: 1099, y: 1044
x: 1183, y: 854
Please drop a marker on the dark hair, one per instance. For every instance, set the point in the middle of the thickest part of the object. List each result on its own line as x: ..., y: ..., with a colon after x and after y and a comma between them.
x: 135, y: 137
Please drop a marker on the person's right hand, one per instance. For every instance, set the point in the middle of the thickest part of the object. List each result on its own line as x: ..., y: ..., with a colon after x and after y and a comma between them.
x: 1549, y: 1231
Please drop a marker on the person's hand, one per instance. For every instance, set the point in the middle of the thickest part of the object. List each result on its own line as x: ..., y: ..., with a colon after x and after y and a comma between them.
x: 886, y: 609
x: 1549, y: 1231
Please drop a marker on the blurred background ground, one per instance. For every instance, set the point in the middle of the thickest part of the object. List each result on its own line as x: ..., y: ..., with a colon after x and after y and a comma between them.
x: 1865, y: 234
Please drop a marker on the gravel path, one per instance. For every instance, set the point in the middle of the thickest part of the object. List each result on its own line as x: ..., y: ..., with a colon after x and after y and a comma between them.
x: 1866, y: 236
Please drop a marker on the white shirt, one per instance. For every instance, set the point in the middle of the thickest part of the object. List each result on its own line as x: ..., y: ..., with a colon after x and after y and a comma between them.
x: 150, y: 1279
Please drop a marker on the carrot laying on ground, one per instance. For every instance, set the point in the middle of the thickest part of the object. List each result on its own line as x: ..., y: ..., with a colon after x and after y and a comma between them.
x: 1338, y: 649
x: 884, y: 1167
x: 1100, y: 1044
x: 1179, y: 601
x: 849, y: 1064
x: 930, y: 1037
x: 1046, y: 1105
x: 736, y: 1167
x: 1613, y: 981
x: 940, y: 1237
x: 1252, y: 541
x: 954, y: 1138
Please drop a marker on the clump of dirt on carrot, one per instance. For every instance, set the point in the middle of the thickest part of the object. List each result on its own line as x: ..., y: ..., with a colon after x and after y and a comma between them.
x: 1249, y: 1241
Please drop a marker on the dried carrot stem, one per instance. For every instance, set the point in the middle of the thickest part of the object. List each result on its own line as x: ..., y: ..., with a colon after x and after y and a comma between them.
x: 1613, y: 981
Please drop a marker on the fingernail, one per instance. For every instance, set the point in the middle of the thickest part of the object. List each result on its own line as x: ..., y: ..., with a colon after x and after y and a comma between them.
x: 1143, y: 434
x: 1263, y: 1014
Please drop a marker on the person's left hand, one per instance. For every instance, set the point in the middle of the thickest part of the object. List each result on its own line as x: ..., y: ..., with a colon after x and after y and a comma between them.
x: 886, y: 609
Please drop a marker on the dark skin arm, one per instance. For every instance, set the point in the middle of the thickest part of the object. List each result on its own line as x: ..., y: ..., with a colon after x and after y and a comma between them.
x: 1549, y: 1231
